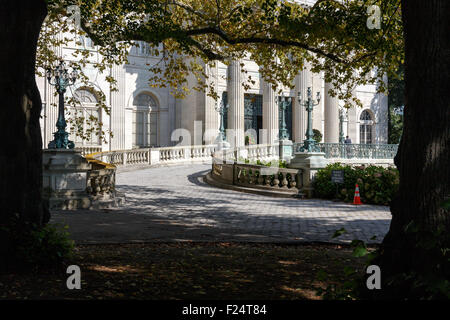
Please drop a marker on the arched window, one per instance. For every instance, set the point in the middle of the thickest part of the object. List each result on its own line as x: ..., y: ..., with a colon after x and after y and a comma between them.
x: 85, y: 113
x: 366, y: 128
x: 85, y: 96
x: 145, y: 121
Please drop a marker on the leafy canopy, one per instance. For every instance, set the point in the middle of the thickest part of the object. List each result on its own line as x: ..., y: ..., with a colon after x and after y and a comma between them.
x: 280, y: 36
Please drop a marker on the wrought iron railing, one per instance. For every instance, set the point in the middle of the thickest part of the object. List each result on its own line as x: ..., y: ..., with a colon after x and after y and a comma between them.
x: 358, y: 151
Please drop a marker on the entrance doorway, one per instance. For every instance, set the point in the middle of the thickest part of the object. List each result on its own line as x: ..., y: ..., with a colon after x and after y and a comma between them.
x: 252, y: 117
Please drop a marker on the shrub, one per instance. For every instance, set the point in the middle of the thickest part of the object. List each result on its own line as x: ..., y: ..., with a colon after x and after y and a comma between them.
x: 317, y: 135
x: 377, y: 185
x: 33, y: 248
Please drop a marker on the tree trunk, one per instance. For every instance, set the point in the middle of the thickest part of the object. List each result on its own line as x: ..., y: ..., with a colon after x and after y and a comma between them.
x: 20, y: 108
x: 420, y: 225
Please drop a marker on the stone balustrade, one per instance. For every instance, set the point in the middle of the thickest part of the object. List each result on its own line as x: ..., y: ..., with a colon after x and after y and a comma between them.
x: 260, y: 151
x: 153, y: 156
x: 356, y: 154
x: 253, y: 178
x: 266, y: 177
x: 101, y: 182
x: 85, y: 150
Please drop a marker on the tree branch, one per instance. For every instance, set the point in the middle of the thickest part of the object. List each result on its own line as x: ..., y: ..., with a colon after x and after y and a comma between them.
x: 249, y: 40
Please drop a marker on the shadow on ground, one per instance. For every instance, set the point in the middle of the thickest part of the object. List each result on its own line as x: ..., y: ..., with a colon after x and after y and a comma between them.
x: 200, y: 212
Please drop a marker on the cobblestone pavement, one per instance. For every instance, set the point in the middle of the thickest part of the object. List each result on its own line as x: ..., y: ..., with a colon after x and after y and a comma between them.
x: 173, y: 204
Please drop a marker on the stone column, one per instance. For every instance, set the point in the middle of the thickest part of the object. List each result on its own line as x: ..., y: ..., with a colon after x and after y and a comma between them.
x: 270, y: 114
x: 302, y: 82
x: 353, y: 122
x: 236, y: 105
x: 331, y: 116
x: 117, y: 103
x: 211, y: 122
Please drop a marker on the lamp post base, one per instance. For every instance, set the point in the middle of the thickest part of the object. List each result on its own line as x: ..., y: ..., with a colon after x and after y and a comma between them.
x: 61, y: 141
x: 285, y: 151
x: 310, y: 163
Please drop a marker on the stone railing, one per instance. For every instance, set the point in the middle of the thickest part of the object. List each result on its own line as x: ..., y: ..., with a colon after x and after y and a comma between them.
x: 255, y: 178
x: 259, y: 151
x: 154, y: 156
x: 354, y: 154
x: 101, y: 182
x: 266, y: 177
x: 186, y: 153
x: 88, y: 149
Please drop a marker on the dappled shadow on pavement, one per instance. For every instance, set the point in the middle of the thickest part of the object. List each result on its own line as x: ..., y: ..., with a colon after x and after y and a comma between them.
x: 187, y: 209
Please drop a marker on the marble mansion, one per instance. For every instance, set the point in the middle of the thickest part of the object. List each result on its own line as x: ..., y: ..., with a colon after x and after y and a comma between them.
x: 142, y: 116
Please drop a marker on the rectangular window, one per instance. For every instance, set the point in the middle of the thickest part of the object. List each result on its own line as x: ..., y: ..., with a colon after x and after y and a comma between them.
x: 144, y: 131
x: 153, y: 128
x: 94, y: 139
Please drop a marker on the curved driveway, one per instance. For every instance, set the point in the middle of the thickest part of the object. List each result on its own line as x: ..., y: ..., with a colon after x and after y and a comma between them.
x: 174, y: 204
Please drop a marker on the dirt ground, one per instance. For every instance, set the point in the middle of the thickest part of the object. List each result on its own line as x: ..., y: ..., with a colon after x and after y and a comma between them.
x: 191, y: 270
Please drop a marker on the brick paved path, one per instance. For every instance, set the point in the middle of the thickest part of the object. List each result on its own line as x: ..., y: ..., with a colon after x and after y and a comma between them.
x: 173, y: 203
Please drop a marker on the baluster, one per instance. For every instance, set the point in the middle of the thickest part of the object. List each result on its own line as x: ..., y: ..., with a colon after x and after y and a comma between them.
x: 293, y: 182
x: 284, y: 182
x: 260, y: 179
x: 268, y: 180
x: 276, y: 181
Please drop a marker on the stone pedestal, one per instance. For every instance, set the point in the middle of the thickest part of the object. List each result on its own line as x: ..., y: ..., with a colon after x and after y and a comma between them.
x: 70, y: 182
x: 222, y: 152
x: 285, y: 150
x: 309, y: 162
x: 65, y: 179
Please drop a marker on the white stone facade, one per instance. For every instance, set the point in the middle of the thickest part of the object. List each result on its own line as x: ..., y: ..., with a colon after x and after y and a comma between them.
x: 143, y: 116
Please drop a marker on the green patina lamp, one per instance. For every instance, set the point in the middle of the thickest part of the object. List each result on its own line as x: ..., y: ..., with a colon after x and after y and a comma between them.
x: 221, y: 109
x: 309, y: 144
x: 283, y: 103
x: 61, y: 79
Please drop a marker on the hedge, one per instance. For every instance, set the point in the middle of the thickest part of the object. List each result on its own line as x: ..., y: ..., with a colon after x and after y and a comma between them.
x: 377, y: 185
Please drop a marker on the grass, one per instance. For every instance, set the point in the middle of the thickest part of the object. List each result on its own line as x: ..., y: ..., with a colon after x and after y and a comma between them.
x: 190, y: 270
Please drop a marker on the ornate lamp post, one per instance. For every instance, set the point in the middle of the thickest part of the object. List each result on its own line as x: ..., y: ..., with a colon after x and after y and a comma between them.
x: 309, y: 145
x: 221, y: 109
x: 61, y: 79
x: 283, y: 102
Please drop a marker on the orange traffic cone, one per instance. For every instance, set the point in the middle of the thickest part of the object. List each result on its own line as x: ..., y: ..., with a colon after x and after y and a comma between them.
x: 356, y: 198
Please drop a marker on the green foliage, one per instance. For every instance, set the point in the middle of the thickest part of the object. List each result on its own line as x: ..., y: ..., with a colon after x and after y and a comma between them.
x: 188, y: 38
x: 396, y: 101
x: 279, y: 36
x: 249, y: 140
x: 33, y: 248
x: 348, y: 289
x: 395, y: 126
x: 272, y: 163
x: 377, y: 185
x: 317, y: 135
x: 429, y: 280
